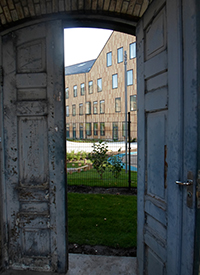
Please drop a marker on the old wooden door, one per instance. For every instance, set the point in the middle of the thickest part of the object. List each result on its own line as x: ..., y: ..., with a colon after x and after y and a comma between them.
x: 34, y: 146
x: 166, y: 146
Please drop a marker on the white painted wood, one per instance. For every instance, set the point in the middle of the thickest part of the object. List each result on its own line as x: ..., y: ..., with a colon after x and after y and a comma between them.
x: 34, y: 138
x: 167, y: 137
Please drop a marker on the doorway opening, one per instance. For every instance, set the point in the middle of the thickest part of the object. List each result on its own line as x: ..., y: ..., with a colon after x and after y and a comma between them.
x: 96, y: 105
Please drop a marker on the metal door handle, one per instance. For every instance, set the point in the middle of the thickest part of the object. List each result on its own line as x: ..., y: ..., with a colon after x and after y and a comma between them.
x: 189, y: 182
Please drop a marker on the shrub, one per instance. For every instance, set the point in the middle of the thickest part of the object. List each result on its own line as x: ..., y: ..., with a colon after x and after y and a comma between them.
x: 99, y: 157
x: 70, y: 155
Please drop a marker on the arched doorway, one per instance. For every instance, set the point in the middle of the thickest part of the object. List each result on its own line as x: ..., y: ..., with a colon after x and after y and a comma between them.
x: 166, y: 211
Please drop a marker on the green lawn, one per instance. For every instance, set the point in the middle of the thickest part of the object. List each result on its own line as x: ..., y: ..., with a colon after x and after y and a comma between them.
x: 97, y: 219
x: 92, y: 178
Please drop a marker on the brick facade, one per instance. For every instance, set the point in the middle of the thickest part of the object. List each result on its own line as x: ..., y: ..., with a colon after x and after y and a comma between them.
x: 108, y: 94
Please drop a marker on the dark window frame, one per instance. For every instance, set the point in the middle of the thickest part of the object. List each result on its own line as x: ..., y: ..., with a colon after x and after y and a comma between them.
x: 74, y: 110
x: 100, y: 109
x: 113, y: 76
x: 82, y: 89
x: 120, y: 55
x: 75, y: 93
x: 109, y: 59
x: 99, y: 90
x: 117, y: 98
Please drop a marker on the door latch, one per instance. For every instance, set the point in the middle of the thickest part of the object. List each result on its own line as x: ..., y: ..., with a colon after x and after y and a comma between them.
x: 189, y: 184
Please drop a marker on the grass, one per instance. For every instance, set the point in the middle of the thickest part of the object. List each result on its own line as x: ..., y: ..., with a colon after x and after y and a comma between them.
x: 97, y: 219
x: 92, y: 178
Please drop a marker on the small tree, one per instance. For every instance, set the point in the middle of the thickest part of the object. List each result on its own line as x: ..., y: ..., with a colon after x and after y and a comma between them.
x: 99, y: 157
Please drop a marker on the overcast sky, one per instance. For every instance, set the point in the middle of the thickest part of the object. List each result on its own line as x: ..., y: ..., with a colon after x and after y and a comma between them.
x: 83, y: 44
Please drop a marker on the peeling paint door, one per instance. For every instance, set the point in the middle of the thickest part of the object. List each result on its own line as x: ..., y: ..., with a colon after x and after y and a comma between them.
x: 166, y: 150
x: 34, y: 146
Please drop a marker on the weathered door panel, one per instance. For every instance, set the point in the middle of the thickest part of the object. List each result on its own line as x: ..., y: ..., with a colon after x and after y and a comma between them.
x: 161, y: 142
x: 34, y: 140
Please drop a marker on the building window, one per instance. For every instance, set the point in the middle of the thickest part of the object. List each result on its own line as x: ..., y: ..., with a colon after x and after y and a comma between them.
x: 82, y: 88
x: 109, y: 59
x: 133, y: 102
x: 88, y: 108
x: 67, y: 93
x: 95, y: 108
x: 114, y: 81
x: 123, y: 128
x: 73, y: 109
x: 129, y: 77
x: 102, y: 128
x: 75, y: 91
x: 67, y: 110
x: 115, y: 131
x: 118, y: 104
x: 90, y: 87
x: 88, y: 129
x: 81, y: 130
x: 80, y: 109
x: 99, y: 85
x: 102, y: 107
x: 120, y: 55
x: 67, y: 130
x: 74, y: 130
x: 95, y: 128
x: 132, y: 50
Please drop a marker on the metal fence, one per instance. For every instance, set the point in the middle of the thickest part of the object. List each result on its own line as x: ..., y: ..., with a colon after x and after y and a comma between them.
x: 81, y: 143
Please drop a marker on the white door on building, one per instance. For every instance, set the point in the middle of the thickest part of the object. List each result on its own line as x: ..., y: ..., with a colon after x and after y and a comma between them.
x: 165, y: 208
x: 34, y: 147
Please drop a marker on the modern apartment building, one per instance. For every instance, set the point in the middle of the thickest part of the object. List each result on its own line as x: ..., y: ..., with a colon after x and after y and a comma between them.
x: 95, y: 92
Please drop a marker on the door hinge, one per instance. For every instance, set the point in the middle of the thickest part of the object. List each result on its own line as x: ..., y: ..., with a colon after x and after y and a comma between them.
x: 198, y: 190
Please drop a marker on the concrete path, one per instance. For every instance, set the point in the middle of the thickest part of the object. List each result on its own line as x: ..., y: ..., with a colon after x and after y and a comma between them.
x: 91, y: 265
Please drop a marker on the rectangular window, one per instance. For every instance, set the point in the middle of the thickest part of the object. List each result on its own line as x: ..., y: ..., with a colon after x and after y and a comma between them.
x: 75, y: 91
x: 133, y: 102
x: 102, y: 128
x: 67, y: 93
x: 120, y: 55
x: 115, y: 131
x: 67, y: 130
x: 109, y: 59
x: 129, y: 77
x: 95, y: 108
x: 99, y: 85
x: 90, y: 87
x: 114, y: 81
x: 95, y: 128
x: 123, y: 129
x: 74, y: 130
x: 88, y: 129
x: 88, y: 108
x: 80, y: 109
x: 73, y: 109
x: 81, y: 130
x: 67, y: 110
x: 132, y: 50
x: 102, y: 107
x: 82, y: 88
x: 118, y: 104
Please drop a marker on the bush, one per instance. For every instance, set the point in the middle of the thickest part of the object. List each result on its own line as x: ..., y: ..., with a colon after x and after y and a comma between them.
x: 99, y: 157
x: 70, y: 155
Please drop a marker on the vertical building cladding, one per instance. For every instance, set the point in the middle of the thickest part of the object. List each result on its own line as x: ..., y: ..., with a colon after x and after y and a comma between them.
x: 97, y: 88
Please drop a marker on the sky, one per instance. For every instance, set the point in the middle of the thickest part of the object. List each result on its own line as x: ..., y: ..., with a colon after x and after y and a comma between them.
x: 83, y: 44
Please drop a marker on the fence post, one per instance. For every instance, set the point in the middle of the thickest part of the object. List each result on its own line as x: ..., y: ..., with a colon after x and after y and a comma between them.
x: 129, y: 149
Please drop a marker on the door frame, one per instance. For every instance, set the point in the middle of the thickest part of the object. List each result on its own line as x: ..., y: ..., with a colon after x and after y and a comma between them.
x: 90, y: 23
